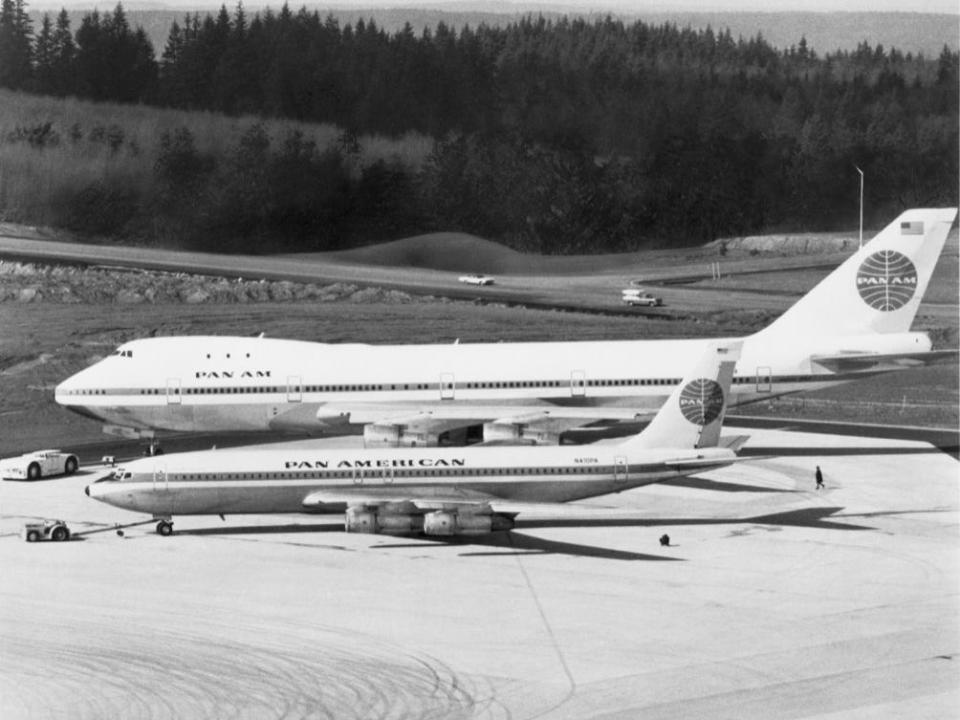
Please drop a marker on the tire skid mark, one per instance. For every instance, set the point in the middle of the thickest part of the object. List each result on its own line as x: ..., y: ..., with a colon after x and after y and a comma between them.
x: 99, y: 670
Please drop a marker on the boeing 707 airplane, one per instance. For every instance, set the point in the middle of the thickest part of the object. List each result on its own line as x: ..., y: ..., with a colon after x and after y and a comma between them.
x: 437, y: 491
x: 853, y: 324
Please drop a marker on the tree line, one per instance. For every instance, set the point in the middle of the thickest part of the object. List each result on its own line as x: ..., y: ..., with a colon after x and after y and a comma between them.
x: 564, y: 135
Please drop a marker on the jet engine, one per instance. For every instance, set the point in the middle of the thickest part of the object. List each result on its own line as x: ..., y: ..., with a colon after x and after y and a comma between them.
x: 359, y: 520
x: 445, y: 522
x: 388, y: 435
x: 438, y: 522
x: 519, y: 434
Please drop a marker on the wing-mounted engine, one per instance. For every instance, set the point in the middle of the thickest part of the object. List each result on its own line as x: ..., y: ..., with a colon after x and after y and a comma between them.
x: 441, y: 523
x: 308, y: 418
x: 420, y: 431
x: 534, y: 429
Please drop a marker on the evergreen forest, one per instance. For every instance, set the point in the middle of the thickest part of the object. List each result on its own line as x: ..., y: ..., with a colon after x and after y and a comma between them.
x: 553, y: 136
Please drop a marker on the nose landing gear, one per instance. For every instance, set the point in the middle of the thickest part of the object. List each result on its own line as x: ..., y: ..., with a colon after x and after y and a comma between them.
x: 165, y: 528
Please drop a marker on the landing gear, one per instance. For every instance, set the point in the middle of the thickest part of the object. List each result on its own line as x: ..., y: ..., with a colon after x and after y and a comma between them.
x: 152, y: 450
x: 165, y: 528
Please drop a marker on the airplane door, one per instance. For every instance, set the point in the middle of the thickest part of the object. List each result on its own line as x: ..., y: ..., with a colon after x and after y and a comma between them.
x: 294, y: 389
x: 387, y: 475
x: 447, y: 386
x: 174, y: 396
x: 578, y: 383
x: 764, y: 380
x: 620, y: 469
x: 160, y: 478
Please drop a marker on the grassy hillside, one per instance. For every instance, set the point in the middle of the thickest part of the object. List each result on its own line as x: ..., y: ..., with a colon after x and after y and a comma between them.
x: 65, y: 161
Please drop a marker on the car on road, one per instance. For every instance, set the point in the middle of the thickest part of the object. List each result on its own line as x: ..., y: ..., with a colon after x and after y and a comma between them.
x: 38, y: 464
x: 634, y: 296
x: 476, y: 279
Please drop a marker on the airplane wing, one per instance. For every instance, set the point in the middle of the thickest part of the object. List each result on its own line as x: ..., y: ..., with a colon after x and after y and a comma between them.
x: 403, y: 413
x: 853, y: 361
x: 420, y: 498
x: 412, y: 499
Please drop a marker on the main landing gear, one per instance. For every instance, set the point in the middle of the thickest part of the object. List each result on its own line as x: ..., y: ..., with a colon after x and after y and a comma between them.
x: 165, y: 528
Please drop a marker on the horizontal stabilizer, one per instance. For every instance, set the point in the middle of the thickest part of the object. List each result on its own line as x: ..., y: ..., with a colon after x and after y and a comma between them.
x: 733, y: 442
x: 854, y: 361
x: 709, y: 463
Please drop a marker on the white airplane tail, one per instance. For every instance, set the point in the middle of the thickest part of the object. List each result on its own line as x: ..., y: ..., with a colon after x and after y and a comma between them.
x: 693, y: 414
x: 876, y: 290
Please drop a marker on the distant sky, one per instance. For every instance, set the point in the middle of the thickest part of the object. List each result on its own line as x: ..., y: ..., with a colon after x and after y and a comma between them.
x: 925, y: 6
x: 951, y: 7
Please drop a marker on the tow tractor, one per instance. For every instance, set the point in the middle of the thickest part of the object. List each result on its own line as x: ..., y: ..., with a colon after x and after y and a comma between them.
x: 58, y: 531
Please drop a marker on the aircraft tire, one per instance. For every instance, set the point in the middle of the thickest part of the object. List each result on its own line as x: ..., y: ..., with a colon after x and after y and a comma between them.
x: 164, y: 528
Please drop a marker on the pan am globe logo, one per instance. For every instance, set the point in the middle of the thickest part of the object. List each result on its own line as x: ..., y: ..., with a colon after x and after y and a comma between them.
x: 701, y: 401
x: 887, y: 280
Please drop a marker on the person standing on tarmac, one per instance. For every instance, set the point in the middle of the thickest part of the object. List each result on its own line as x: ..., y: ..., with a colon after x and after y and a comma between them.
x: 819, y: 476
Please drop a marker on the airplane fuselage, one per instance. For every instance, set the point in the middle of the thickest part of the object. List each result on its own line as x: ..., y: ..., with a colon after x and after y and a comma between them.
x: 241, y: 384
x: 284, y: 481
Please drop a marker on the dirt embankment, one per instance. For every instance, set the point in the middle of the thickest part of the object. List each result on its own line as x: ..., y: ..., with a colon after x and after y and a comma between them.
x: 33, y: 283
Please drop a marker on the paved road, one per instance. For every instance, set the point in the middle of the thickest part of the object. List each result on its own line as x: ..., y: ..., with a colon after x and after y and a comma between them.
x: 598, y: 293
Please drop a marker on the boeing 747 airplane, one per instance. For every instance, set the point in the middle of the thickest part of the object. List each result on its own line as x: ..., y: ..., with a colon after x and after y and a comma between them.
x: 437, y: 491
x: 853, y: 324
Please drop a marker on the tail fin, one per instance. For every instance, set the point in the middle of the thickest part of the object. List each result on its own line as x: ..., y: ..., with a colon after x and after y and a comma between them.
x: 876, y: 290
x: 693, y: 415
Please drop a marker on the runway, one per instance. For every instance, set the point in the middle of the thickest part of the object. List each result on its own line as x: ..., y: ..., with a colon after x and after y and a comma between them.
x: 773, y: 600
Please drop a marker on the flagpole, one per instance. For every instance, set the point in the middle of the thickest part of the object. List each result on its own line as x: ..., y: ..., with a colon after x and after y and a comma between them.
x: 861, y: 206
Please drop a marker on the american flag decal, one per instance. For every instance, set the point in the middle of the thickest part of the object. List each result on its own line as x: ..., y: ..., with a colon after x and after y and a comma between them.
x: 914, y: 227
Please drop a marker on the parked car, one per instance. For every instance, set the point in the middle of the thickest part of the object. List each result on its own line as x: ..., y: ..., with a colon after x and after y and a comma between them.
x: 633, y: 296
x: 476, y: 279
x: 38, y: 464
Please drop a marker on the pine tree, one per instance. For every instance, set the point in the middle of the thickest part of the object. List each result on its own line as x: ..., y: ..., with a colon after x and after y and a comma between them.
x: 64, y: 55
x: 44, y: 54
x: 16, y: 49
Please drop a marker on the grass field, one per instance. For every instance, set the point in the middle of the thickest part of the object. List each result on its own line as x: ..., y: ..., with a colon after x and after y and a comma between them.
x: 43, y: 344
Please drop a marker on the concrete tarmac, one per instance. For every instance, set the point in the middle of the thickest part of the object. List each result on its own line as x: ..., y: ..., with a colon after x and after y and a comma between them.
x: 773, y: 600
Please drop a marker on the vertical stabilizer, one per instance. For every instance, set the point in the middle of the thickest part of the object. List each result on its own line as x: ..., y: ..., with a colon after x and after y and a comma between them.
x: 878, y: 289
x: 693, y: 415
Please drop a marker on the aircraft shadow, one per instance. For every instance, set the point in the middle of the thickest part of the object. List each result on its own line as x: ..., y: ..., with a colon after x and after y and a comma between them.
x: 836, y: 451
x: 699, y: 483
x: 263, y: 529
x: 520, y: 545
x: 814, y: 517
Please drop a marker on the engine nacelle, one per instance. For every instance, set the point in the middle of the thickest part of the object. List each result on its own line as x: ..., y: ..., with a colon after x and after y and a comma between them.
x: 519, y: 433
x: 397, y: 436
x: 440, y: 522
x: 360, y: 521
x: 399, y: 524
x: 444, y: 522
